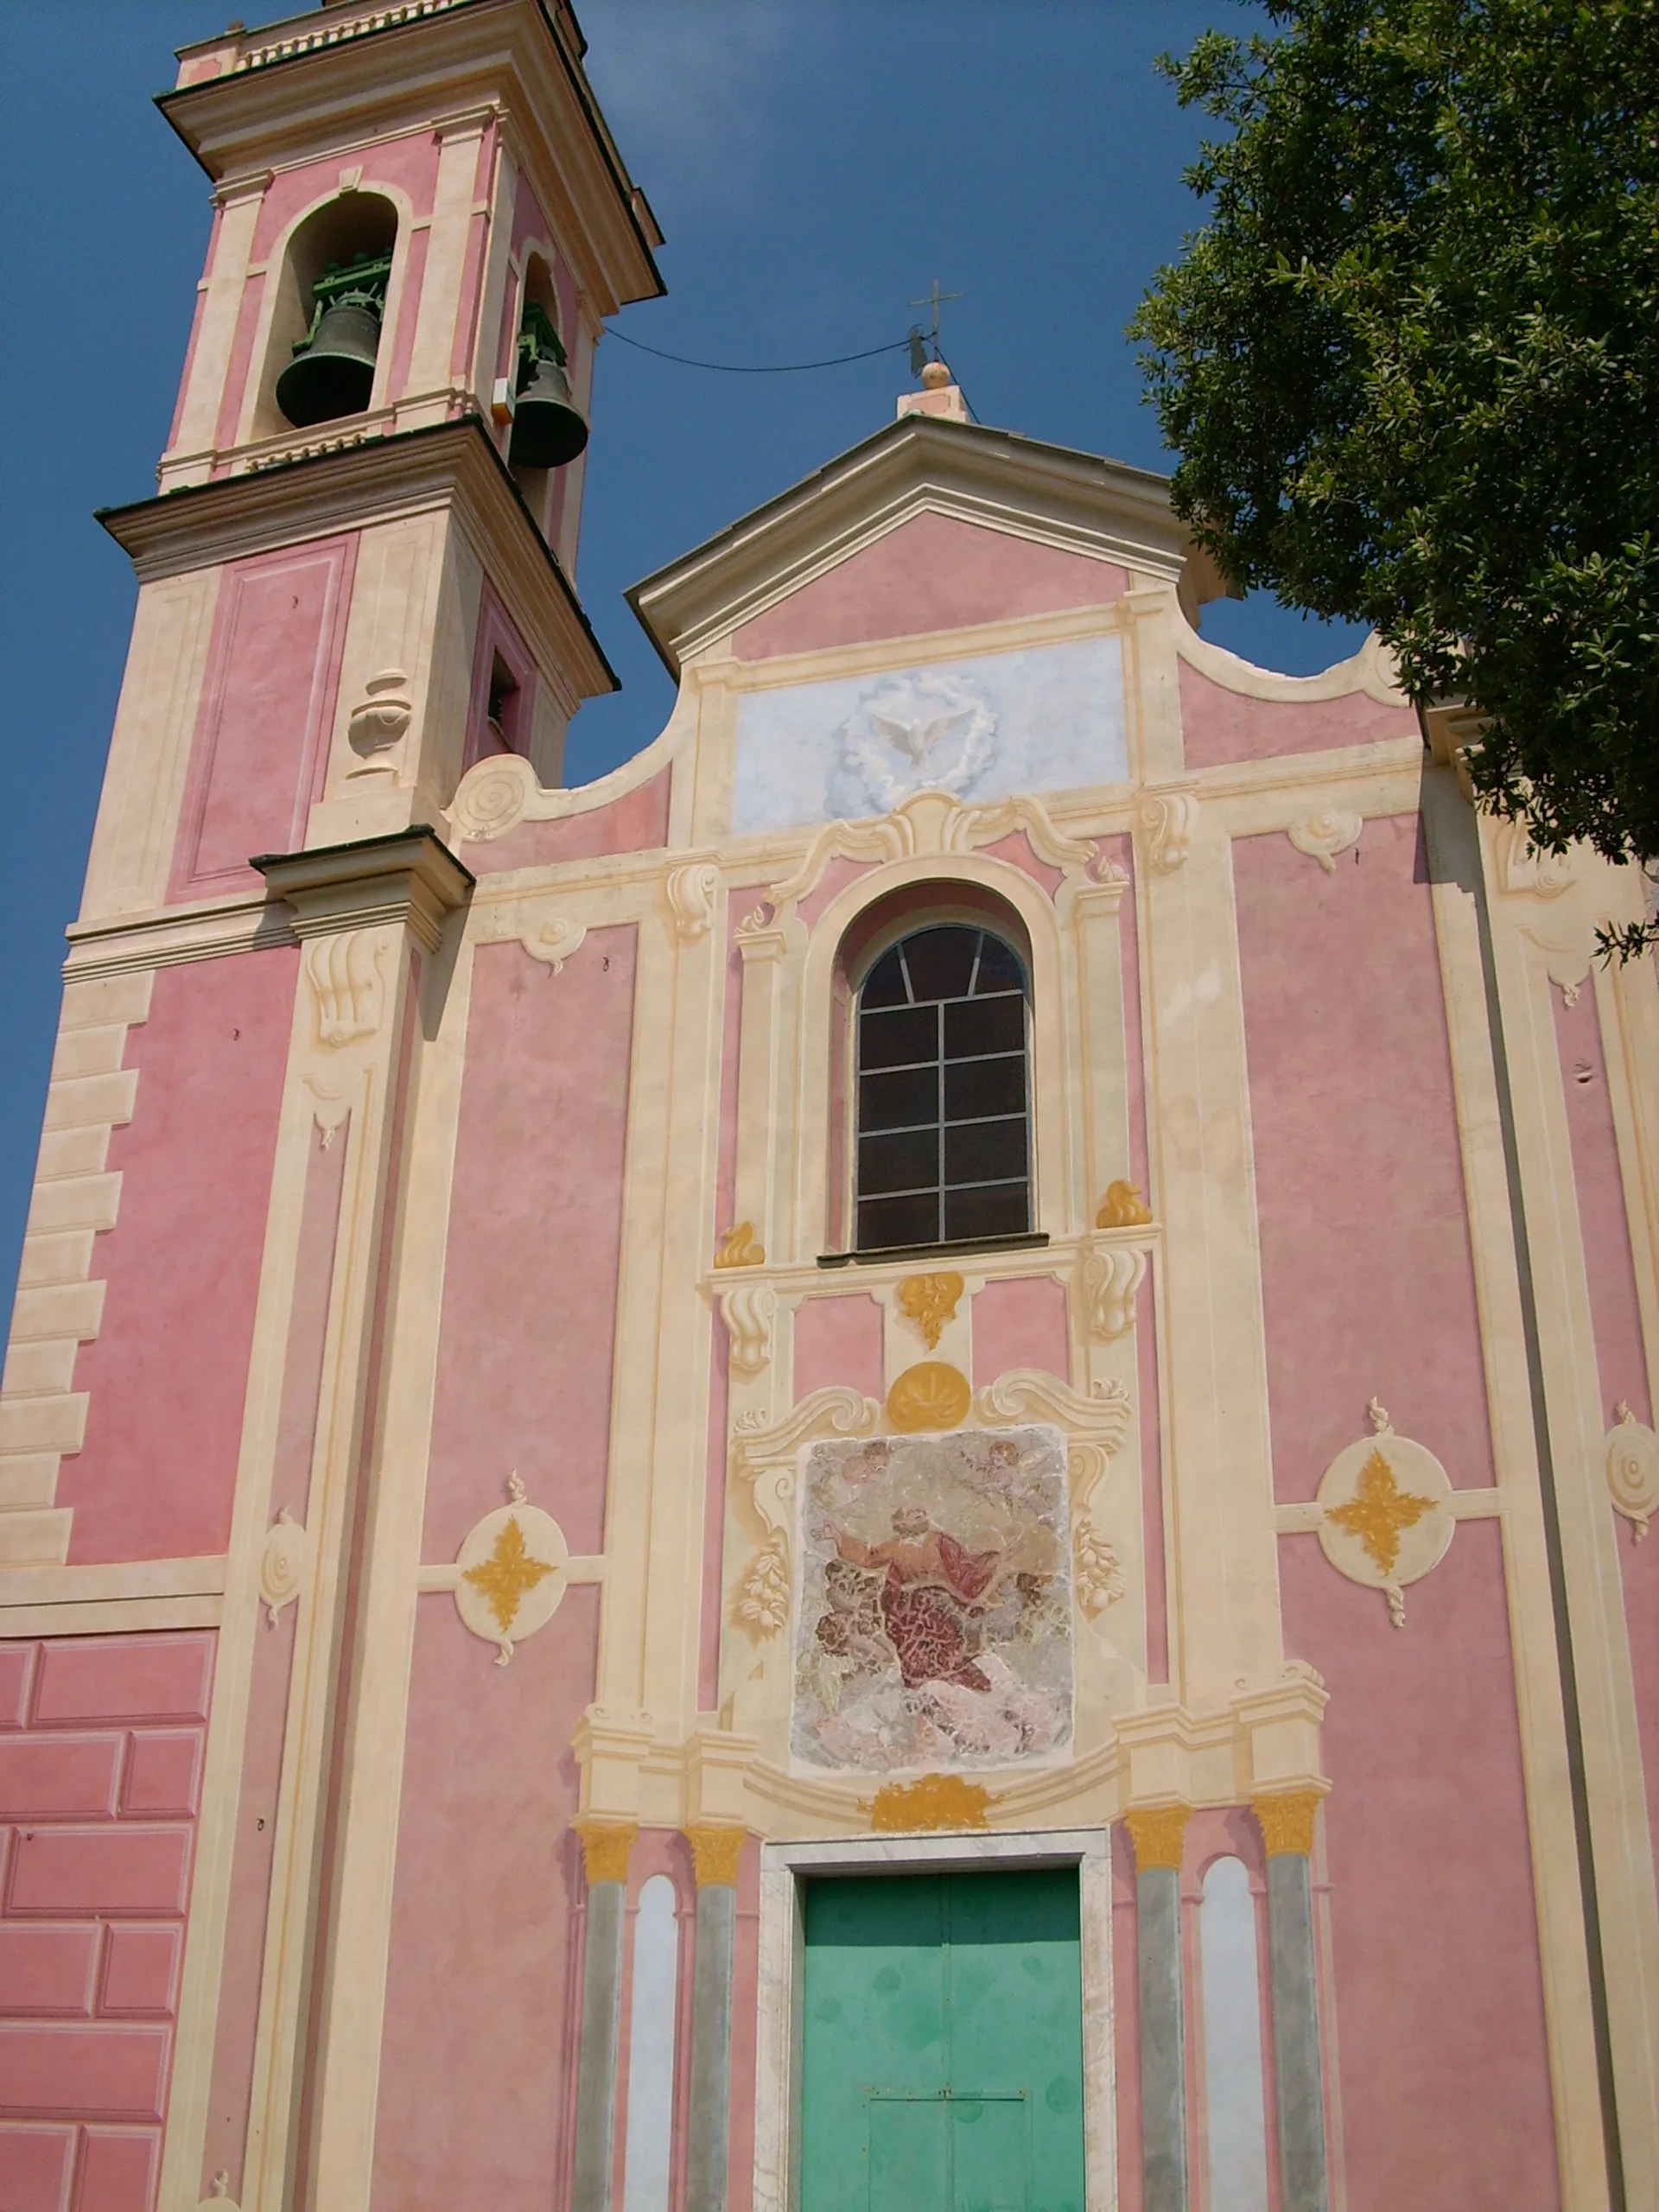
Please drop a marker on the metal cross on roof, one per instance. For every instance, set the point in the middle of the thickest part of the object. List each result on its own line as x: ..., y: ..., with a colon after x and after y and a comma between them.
x: 917, y: 344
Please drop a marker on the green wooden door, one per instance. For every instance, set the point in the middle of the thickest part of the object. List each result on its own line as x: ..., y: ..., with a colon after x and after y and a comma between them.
x: 942, y: 2067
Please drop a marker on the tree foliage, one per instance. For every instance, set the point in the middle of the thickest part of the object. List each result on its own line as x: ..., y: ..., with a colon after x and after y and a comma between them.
x: 1411, y: 364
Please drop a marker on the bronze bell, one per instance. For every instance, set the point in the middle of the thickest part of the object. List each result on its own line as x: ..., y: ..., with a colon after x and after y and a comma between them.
x: 333, y: 373
x: 549, y: 428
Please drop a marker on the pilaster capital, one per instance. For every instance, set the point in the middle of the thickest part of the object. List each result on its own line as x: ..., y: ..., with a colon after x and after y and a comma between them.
x: 605, y: 1847
x: 1286, y: 1818
x: 716, y: 1853
x: 1159, y: 1834
x: 410, y: 877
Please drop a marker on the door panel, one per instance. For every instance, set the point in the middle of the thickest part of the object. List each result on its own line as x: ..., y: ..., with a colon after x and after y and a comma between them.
x: 943, y: 2044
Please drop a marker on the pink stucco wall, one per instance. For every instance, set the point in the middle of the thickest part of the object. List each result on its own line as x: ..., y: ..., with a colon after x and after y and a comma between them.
x: 525, y: 1379
x: 1437, y: 1989
x: 1366, y: 1278
x: 1021, y: 1323
x: 932, y: 573
x: 1219, y: 726
x: 478, y: 2053
x: 168, y: 1371
x: 260, y: 749
x: 838, y: 1340
x: 636, y: 823
x: 101, y: 1747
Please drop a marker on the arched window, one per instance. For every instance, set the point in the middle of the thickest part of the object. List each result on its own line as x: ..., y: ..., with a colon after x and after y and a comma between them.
x: 324, y: 339
x: 943, y: 1131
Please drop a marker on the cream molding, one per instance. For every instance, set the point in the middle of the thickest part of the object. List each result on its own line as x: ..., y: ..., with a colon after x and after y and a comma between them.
x: 938, y: 823
x: 410, y: 877
x: 1323, y: 835
x: 1169, y: 819
x: 282, y: 1565
x: 1631, y: 1457
x: 749, y: 1311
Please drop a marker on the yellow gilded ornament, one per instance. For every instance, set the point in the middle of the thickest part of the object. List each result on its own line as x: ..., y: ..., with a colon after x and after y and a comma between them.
x: 508, y: 1574
x: 930, y: 1301
x: 716, y: 1854
x: 937, y: 1801
x: 605, y: 1847
x: 1286, y: 1819
x: 737, y: 1248
x: 1159, y: 1834
x: 1122, y: 1207
x: 930, y: 1394
x: 1378, y: 1510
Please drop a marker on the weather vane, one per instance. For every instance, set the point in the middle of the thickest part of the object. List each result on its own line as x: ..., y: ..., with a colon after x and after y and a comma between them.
x: 918, y: 344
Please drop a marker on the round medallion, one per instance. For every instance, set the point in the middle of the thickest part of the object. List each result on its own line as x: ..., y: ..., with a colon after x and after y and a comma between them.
x: 511, y: 1573
x: 1385, y: 1520
x: 930, y: 1394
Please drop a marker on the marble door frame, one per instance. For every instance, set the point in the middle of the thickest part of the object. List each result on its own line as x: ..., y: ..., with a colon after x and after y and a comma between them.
x: 778, y: 2057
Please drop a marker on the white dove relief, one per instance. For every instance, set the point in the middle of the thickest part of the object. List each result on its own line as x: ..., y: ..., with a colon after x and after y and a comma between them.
x: 918, y: 730
x: 917, y: 739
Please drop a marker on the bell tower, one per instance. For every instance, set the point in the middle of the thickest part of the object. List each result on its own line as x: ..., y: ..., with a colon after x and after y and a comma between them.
x: 356, y: 580
x: 420, y: 222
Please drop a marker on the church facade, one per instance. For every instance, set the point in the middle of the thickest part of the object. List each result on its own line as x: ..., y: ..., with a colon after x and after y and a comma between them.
x: 899, y: 1461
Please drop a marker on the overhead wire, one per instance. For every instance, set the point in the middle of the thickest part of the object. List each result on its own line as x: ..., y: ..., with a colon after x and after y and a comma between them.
x: 758, y: 369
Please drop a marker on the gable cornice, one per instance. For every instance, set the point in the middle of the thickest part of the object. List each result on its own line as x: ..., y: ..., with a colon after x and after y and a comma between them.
x: 1077, y: 502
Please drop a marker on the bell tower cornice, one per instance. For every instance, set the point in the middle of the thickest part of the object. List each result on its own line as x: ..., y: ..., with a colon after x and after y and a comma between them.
x: 451, y: 466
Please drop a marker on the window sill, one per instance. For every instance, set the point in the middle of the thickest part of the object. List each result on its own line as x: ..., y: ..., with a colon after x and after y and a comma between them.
x: 1028, y: 1240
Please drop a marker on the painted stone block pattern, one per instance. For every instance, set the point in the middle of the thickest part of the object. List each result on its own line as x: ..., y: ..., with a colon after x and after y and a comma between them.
x: 101, y: 1742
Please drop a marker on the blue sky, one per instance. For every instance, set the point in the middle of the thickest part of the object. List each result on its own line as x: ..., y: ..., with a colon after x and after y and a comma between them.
x: 815, y: 163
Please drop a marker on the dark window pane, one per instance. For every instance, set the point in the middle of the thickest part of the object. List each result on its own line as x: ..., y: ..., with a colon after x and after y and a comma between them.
x: 976, y: 1026
x: 973, y: 1088
x: 985, y: 1151
x: 885, y: 984
x: 897, y: 1163
x: 940, y: 961
x: 887, y: 1040
x: 897, y: 1221
x: 999, y: 971
x: 1002, y: 1211
x: 898, y: 1101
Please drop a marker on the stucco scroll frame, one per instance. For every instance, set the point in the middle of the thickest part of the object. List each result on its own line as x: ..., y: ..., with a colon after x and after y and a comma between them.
x: 785, y: 1868
x: 936, y: 845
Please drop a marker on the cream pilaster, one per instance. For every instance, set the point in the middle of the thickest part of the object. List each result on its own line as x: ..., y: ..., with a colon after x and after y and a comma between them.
x: 362, y: 915
x: 1224, y: 1581
x: 691, y: 925
x: 190, y: 456
x: 1532, y: 953
x: 762, y: 1151
x: 393, y: 1522
x: 442, y: 307
x: 1483, y: 1123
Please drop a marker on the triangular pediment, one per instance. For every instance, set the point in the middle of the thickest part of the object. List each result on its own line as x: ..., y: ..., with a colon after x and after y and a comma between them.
x: 914, y: 511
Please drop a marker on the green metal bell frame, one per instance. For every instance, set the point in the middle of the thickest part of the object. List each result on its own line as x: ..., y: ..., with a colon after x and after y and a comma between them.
x: 549, y: 428
x: 333, y: 370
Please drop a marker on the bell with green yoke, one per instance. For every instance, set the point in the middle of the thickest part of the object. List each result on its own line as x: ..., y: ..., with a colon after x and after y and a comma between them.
x: 333, y: 370
x: 549, y: 428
